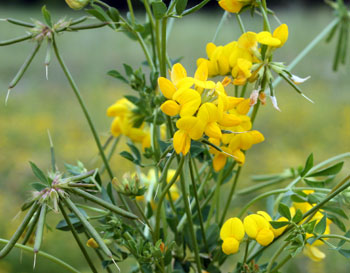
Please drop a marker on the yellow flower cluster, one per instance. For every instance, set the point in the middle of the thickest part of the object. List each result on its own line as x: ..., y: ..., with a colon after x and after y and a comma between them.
x: 257, y: 226
x: 243, y: 58
x: 123, y: 123
x: 311, y: 250
x: 203, y: 107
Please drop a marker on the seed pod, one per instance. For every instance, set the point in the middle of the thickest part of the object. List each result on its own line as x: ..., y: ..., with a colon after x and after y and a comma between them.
x: 77, y: 4
x: 19, y: 231
x: 40, y: 229
x: 31, y: 227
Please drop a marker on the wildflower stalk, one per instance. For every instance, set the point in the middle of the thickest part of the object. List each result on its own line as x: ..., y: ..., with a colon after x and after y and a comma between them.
x: 131, y: 10
x: 163, y: 50
x: 200, y: 216
x: 263, y: 8
x: 16, y: 40
x: 275, y: 256
x: 215, y: 200
x: 18, y: 22
x: 164, y: 193
x: 230, y: 195
x: 104, y: 204
x: 144, y: 217
x: 43, y: 254
x: 77, y: 239
x: 240, y: 23
x: 189, y: 218
x: 12, y: 242
x: 221, y: 23
x: 110, y: 153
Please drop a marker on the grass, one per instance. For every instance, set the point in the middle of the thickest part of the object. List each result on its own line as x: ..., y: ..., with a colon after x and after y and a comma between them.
x: 37, y: 105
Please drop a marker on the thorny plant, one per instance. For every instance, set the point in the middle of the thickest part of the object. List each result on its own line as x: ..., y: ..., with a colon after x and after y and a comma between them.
x: 194, y: 137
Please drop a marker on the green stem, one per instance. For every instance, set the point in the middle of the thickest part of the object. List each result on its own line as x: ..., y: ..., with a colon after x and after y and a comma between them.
x: 223, y: 18
x: 335, y: 236
x: 12, y: 242
x: 16, y: 40
x: 76, y: 237
x: 131, y: 10
x: 263, y: 9
x: 144, y: 217
x: 240, y: 23
x: 164, y: 193
x: 200, y: 216
x: 190, y: 222
x: 110, y: 153
x: 246, y: 251
x: 282, y: 263
x: 45, y: 255
x: 275, y: 256
x: 230, y: 195
x: 164, y: 40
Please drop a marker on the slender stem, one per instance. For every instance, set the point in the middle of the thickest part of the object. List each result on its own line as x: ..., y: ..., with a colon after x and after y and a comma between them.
x: 12, y: 242
x: 144, y: 217
x: 214, y: 201
x: 246, y: 251
x: 110, y: 153
x: 83, y: 107
x: 164, y: 193
x: 230, y: 195
x: 263, y: 9
x: 240, y: 23
x: 45, y: 255
x: 335, y: 236
x: 158, y: 43
x: 282, y: 263
x: 309, y: 48
x: 190, y: 222
x: 16, y: 40
x: 77, y: 239
x: 275, y: 256
x: 200, y: 216
x: 164, y: 40
x: 131, y: 10
x: 223, y: 18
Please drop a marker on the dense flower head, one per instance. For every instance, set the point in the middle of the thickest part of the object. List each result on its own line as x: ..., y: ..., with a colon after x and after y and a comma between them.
x: 231, y: 233
x: 243, y: 58
x: 203, y: 109
x: 123, y: 123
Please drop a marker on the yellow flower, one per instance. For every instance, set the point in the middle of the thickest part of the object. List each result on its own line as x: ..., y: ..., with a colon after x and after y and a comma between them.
x: 277, y: 39
x: 258, y: 228
x: 314, y: 253
x: 241, y: 72
x: 233, y: 6
x: 92, y: 243
x: 122, y: 111
x: 232, y: 233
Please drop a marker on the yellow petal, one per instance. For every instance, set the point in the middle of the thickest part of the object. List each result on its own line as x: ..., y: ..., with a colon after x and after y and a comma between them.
x: 265, y: 38
x: 243, y: 107
x: 189, y: 100
x: 265, y: 215
x: 232, y: 6
x: 239, y: 156
x: 210, y: 48
x: 213, y: 130
x: 92, y: 243
x: 234, y: 228
x: 265, y: 237
x: 166, y: 87
x: 246, y: 141
x: 229, y: 120
x: 248, y: 40
x: 178, y: 72
x: 181, y: 142
x: 208, y: 112
x: 219, y: 161
x: 192, y: 125
x: 281, y: 33
x: 250, y: 226
x: 115, y: 127
x: 170, y: 108
x: 278, y: 231
x: 202, y: 72
x: 230, y: 246
x: 257, y: 137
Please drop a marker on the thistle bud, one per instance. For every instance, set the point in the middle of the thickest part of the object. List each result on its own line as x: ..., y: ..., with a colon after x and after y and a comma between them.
x: 77, y: 4
x: 130, y: 185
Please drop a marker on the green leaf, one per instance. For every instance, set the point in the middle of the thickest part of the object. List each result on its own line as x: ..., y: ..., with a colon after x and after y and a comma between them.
x: 128, y: 69
x: 309, y: 227
x: 38, y: 173
x: 308, y: 165
x: 345, y: 252
x: 113, y: 13
x: 283, y: 209
x: 181, y: 6
x: 135, y: 151
x: 298, y: 216
x: 117, y: 75
x: 297, y: 198
x: 315, y: 184
x: 98, y: 14
x: 335, y: 220
x: 336, y: 210
x: 342, y: 242
x: 278, y: 224
x: 332, y: 170
x: 47, y: 16
x: 159, y: 9
x: 38, y: 186
x: 320, y: 228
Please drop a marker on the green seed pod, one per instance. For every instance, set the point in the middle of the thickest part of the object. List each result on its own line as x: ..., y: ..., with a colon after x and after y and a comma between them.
x: 77, y: 4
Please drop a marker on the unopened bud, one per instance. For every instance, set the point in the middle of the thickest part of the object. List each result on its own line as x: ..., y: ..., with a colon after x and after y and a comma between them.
x: 92, y: 243
x: 77, y: 4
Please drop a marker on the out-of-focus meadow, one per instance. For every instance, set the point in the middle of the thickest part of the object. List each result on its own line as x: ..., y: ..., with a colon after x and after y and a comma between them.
x: 37, y: 105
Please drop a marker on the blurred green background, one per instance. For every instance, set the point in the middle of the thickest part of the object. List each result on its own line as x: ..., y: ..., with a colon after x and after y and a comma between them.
x: 37, y: 105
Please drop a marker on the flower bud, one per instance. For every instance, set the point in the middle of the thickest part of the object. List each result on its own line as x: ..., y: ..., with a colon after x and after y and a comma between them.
x: 92, y: 243
x: 77, y: 4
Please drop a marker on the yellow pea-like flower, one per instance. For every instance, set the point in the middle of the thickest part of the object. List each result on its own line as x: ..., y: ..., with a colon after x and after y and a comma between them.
x: 77, y: 4
x: 314, y: 253
x: 92, y: 243
x: 258, y: 228
x: 281, y: 33
x: 170, y: 108
x: 232, y: 233
x: 233, y: 6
